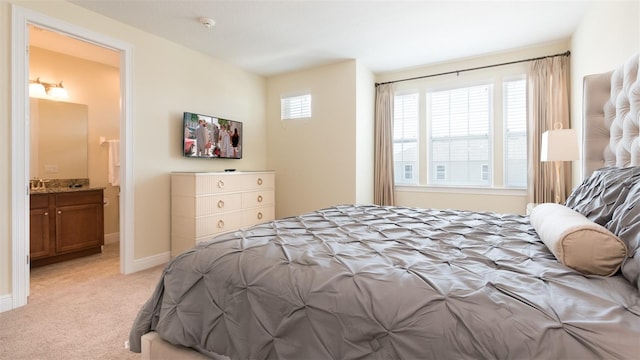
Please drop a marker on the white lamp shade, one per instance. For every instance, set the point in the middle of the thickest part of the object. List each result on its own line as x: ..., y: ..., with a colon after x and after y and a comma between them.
x: 559, y: 145
x: 37, y: 90
x: 58, y: 92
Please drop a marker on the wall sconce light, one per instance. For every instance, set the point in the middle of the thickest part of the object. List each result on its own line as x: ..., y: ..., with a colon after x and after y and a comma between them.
x: 36, y: 88
x: 40, y: 89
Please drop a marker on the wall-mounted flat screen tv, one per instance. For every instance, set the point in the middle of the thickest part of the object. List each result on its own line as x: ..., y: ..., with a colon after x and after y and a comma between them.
x: 211, y: 137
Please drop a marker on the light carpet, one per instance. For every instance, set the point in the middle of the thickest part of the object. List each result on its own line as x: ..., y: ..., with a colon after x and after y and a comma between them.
x: 79, y: 309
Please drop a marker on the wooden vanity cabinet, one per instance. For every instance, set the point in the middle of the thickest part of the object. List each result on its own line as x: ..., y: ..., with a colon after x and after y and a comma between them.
x: 65, y: 225
x: 39, y: 226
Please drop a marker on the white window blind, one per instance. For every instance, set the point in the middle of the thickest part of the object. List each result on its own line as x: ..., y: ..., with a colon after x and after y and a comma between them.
x: 405, y: 138
x: 460, y: 136
x: 295, y: 107
x: 515, y: 133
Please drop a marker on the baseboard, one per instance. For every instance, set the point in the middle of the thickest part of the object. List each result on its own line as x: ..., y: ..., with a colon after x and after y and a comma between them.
x: 6, y: 303
x: 151, y: 261
x: 112, y: 238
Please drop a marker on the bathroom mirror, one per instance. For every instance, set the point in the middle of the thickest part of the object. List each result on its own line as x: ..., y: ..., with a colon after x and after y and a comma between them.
x: 59, y: 140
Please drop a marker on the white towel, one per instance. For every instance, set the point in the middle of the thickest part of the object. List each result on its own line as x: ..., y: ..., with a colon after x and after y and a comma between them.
x: 114, y: 162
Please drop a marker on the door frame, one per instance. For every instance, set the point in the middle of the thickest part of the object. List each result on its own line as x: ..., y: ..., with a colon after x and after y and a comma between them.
x: 20, y: 125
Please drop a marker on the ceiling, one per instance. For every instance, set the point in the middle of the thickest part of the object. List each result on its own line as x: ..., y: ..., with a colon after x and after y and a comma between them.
x: 273, y: 37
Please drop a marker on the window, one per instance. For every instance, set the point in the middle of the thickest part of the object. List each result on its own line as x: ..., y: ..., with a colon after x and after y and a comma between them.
x: 485, y: 172
x: 405, y: 138
x: 408, y: 172
x: 459, y: 136
x: 295, y: 107
x: 441, y: 172
x: 475, y: 135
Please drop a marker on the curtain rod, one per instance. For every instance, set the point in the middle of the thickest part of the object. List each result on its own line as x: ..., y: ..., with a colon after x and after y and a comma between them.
x: 566, y: 53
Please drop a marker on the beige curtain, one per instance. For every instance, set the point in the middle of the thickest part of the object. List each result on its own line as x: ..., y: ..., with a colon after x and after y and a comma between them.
x: 548, y: 104
x: 383, y: 192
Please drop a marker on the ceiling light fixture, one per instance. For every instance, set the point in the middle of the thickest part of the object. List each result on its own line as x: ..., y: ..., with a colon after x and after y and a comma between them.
x: 40, y: 89
x: 207, y: 22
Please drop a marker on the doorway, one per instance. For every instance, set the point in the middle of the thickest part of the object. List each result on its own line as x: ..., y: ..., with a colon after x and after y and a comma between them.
x: 21, y: 20
x: 74, y: 134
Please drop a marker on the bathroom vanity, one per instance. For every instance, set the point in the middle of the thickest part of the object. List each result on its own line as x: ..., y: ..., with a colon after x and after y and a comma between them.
x: 65, y: 223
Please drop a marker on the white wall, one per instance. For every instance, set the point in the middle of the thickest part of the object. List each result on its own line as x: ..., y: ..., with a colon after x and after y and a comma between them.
x: 608, y: 35
x: 167, y: 80
x: 314, y: 159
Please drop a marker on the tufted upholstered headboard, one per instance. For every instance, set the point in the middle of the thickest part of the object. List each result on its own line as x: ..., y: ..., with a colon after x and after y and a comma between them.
x: 611, y: 110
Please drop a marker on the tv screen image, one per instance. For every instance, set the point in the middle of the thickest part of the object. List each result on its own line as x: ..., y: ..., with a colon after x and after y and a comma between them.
x: 211, y: 137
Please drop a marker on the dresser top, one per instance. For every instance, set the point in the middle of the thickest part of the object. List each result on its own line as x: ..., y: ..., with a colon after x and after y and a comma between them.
x: 220, y: 172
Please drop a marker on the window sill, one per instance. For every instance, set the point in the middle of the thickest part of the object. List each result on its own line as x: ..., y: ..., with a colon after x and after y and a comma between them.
x: 461, y: 190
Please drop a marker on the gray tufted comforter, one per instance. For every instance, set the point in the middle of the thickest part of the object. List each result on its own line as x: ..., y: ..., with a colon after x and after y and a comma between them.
x: 368, y: 282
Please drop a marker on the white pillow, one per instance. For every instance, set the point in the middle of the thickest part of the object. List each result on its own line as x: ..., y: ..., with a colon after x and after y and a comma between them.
x: 578, y: 242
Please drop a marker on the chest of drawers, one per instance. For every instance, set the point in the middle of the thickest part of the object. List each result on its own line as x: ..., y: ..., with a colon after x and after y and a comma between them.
x: 205, y: 204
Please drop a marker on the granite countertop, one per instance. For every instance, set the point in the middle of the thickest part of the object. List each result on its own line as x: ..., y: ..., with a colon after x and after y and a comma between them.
x: 61, y: 186
x: 64, y: 189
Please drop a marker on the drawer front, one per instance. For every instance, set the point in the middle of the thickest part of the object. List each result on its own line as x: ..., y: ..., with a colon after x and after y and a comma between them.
x: 257, y: 198
x: 257, y: 216
x: 216, y: 204
x: 79, y: 197
x: 222, y: 183
x: 40, y: 201
x: 257, y: 181
x: 216, y: 224
x: 215, y: 183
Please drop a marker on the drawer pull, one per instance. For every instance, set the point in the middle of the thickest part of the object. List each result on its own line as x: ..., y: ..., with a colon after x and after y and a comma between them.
x: 45, y: 214
x: 59, y: 211
x: 259, y: 181
x: 220, y: 224
x: 259, y: 216
x: 259, y: 198
x: 220, y: 204
x: 220, y: 184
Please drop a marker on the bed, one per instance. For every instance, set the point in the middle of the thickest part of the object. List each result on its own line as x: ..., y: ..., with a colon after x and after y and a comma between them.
x: 376, y: 282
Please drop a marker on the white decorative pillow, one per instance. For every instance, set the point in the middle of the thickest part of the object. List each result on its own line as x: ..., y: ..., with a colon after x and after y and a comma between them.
x: 578, y: 242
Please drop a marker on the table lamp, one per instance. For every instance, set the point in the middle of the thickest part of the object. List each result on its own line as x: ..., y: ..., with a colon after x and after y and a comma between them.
x: 559, y: 145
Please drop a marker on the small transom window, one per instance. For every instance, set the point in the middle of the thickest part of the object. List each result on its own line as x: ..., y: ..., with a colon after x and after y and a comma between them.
x: 295, y: 107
